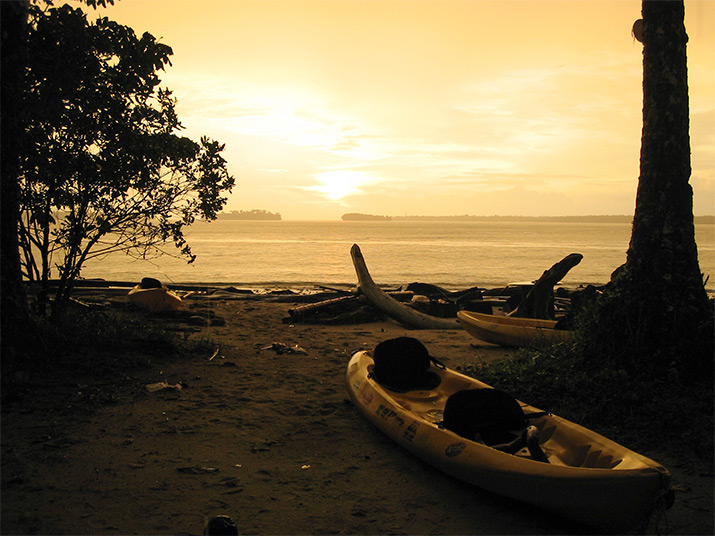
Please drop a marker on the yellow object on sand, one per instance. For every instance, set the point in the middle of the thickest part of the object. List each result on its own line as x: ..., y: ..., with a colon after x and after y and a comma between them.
x: 155, y: 299
x: 588, y: 478
x: 511, y: 331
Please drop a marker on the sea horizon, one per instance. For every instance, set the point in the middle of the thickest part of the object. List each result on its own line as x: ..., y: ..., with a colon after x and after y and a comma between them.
x: 590, y: 218
x: 451, y: 254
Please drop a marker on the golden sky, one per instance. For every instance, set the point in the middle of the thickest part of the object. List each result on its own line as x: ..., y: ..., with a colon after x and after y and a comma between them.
x: 425, y: 107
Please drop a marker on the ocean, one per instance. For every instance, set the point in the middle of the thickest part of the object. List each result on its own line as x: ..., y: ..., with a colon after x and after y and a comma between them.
x: 454, y: 255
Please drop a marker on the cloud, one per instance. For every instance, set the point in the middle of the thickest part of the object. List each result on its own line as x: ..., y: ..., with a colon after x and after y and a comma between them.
x: 448, y: 106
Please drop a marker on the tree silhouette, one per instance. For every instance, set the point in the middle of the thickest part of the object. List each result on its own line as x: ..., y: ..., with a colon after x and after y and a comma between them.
x: 13, y: 309
x: 104, y: 168
x: 656, y: 315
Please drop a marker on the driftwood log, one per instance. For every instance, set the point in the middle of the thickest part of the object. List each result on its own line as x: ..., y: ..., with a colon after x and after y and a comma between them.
x: 391, y: 307
x: 336, y: 311
x: 539, y: 302
x: 350, y: 309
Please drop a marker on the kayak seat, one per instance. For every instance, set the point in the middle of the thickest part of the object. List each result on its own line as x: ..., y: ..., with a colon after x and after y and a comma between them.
x: 401, y: 365
x: 494, y: 417
x: 488, y: 414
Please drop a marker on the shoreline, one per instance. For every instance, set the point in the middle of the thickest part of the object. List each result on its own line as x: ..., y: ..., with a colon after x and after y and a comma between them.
x: 258, y: 291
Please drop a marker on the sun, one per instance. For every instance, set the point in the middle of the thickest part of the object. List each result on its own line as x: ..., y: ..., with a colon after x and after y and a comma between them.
x: 340, y: 183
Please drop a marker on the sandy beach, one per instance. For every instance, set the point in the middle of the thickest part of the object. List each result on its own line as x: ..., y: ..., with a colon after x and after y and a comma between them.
x: 265, y: 437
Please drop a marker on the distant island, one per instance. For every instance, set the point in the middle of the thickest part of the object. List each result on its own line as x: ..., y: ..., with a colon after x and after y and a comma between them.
x: 254, y: 214
x: 353, y: 216
x: 572, y: 219
x: 465, y: 217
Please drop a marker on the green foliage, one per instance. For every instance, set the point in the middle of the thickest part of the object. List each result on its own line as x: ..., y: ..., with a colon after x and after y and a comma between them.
x: 646, y: 413
x: 620, y: 379
x: 90, y: 3
x: 551, y: 378
x: 649, y: 332
x: 103, y: 169
x: 90, y: 342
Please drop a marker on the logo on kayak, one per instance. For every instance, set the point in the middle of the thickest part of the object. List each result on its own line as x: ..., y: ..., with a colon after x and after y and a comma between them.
x: 366, y: 398
x: 455, y: 449
x: 411, y: 431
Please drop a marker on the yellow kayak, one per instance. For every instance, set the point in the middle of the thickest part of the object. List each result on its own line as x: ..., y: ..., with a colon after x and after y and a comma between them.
x: 511, y: 331
x: 585, y: 476
x: 155, y: 299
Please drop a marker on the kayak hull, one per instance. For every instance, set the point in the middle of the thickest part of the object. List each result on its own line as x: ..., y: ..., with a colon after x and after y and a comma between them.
x: 155, y: 299
x: 511, y: 331
x: 590, y: 479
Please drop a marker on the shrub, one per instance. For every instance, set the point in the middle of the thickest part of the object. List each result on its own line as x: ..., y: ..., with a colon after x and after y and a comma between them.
x: 645, y: 412
x: 90, y: 342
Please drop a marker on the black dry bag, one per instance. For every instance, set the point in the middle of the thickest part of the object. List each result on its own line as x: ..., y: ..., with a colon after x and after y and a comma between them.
x: 401, y: 365
x: 150, y: 282
x: 492, y: 414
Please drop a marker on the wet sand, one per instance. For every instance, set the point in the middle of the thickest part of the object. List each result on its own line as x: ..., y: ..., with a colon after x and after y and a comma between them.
x: 266, y: 438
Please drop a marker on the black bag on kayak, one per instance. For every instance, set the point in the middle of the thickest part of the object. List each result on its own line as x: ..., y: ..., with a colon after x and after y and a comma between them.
x: 402, y: 364
x: 150, y: 282
x: 492, y: 414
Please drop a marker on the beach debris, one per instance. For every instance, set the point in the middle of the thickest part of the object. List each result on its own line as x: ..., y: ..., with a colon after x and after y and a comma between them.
x: 162, y: 386
x: 436, y: 293
x: 281, y: 348
x: 390, y: 306
x: 351, y: 308
x: 432, y: 307
x: 264, y: 447
x: 220, y: 524
x: 234, y: 290
x: 334, y: 289
x: 90, y: 305
x: 209, y: 319
x: 539, y: 301
x: 336, y: 311
x: 213, y: 356
x: 197, y: 470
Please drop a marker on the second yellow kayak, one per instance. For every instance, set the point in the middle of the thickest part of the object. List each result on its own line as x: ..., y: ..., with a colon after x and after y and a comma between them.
x: 511, y: 331
x: 155, y: 299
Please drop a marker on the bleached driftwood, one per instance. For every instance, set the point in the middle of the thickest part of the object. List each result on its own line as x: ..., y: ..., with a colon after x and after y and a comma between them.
x: 391, y: 307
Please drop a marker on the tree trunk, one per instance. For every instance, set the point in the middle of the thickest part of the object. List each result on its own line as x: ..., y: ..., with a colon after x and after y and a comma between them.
x: 656, y: 313
x: 13, y: 313
x: 662, y: 249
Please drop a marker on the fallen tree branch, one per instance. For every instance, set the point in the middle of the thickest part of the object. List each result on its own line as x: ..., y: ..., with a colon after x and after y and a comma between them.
x: 539, y: 302
x: 391, y: 307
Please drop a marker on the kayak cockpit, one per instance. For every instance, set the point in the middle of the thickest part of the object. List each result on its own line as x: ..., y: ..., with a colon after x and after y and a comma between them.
x: 588, y: 477
x: 560, y: 448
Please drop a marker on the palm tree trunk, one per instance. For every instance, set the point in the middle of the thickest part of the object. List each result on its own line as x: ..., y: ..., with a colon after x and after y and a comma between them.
x: 657, y: 313
x: 662, y: 249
